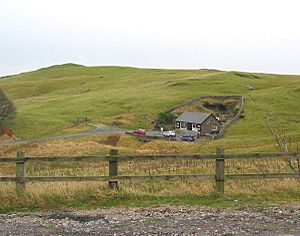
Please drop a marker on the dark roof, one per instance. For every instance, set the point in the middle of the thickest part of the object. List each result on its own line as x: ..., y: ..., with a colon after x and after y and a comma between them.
x: 195, y: 117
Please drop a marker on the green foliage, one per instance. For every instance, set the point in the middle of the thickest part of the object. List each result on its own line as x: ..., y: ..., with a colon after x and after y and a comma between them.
x: 165, y: 119
x: 80, y: 120
x: 48, y: 100
x: 7, y: 107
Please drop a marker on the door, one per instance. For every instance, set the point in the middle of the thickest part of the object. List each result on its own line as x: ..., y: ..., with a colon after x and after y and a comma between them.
x: 189, y: 126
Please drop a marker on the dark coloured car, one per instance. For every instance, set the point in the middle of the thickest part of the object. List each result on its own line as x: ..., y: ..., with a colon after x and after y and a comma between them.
x: 187, y: 137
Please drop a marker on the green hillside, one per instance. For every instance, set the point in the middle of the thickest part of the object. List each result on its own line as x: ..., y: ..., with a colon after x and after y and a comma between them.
x: 50, y: 99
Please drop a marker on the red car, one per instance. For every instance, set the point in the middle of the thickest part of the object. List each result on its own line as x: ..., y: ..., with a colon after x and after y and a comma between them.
x: 139, y: 131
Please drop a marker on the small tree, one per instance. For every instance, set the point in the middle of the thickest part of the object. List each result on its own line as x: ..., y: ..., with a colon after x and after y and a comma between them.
x: 284, y: 142
x: 7, y: 108
x: 165, y: 119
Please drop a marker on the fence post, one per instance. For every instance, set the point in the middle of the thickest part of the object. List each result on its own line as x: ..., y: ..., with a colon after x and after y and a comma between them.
x: 113, y: 168
x: 220, y: 168
x: 20, y: 173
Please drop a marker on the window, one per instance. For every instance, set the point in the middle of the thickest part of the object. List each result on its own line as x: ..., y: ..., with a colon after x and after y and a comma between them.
x: 214, y: 127
x: 183, y: 125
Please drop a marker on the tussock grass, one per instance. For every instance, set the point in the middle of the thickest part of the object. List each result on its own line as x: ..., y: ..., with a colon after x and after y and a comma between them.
x: 148, y: 167
x: 192, y: 192
x: 185, y: 191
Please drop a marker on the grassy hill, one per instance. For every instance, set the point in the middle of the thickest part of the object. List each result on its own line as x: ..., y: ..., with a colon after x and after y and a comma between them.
x: 50, y: 99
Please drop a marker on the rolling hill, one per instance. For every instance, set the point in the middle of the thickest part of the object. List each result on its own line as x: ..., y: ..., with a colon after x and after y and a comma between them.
x: 49, y: 100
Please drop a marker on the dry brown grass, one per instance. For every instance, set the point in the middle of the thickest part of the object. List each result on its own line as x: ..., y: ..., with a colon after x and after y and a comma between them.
x: 58, y: 148
x: 147, y: 167
x: 130, y: 145
x: 151, y: 188
x: 89, y: 192
x: 269, y: 187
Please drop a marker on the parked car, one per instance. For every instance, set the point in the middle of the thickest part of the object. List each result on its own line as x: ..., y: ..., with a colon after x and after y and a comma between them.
x: 169, y: 134
x: 187, y: 137
x: 143, y: 138
x: 139, y: 132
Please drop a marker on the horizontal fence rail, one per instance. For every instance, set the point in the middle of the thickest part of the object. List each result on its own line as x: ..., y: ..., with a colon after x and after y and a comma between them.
x: 263, y: 176
x: 113, y: 177
x: 158, y: 157
x: 106, y: 178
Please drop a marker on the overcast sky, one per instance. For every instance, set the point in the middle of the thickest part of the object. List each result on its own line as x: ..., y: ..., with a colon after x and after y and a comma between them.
x: 246, y: 35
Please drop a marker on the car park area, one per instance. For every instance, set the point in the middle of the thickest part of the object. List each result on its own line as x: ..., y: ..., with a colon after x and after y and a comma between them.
x: 171, y: 135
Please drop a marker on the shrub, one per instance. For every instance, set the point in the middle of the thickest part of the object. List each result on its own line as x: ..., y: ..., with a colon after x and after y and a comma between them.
x: 113, y: 140
x: 165, y: 119
x: 6, y: 131
x: 7, y: 107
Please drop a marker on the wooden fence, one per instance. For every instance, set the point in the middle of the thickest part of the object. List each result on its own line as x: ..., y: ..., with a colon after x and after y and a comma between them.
x: 113, y: 177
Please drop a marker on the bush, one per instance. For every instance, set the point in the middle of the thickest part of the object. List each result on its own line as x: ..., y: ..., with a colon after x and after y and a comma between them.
x: 165, y: 119
x: 7, y: 108
x: 113, y: 140
x: 6, y: 131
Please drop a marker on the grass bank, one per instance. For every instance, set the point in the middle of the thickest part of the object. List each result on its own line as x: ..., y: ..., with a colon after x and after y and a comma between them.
x: 239, y: 194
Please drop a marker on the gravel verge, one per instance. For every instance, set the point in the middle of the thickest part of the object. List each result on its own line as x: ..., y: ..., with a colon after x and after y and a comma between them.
x: 167, y: 220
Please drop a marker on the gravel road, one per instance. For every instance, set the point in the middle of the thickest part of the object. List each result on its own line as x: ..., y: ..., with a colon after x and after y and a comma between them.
x: 167, y: 220
x: 100, y: 129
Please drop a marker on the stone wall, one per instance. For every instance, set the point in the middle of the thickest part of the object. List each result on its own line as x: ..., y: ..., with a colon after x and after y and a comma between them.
x: 227, y: 124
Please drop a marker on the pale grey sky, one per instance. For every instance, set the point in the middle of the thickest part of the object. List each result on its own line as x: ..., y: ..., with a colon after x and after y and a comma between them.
x: 247, y: 35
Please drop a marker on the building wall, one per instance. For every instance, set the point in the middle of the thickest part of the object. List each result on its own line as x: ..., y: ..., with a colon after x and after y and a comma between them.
x: 195, y: 127
x: 180, y: 125
x: 183, y: 126
x: 210, y: 125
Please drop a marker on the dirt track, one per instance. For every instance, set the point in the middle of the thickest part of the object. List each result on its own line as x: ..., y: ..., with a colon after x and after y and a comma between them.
x: 167, y: 220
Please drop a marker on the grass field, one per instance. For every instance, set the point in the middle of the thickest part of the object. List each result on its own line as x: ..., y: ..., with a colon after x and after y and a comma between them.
x: 238, y: 193
x: 241, y: 194
x: 49, y: 100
